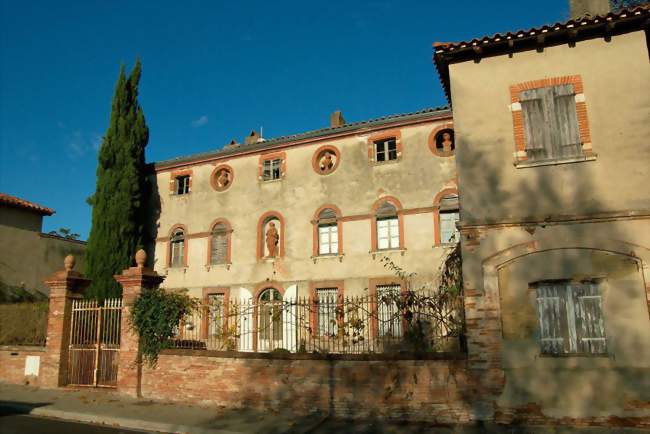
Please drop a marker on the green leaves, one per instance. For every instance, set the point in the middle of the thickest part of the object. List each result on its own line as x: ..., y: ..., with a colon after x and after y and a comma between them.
x: 155, y: 315
x: 117, y: 220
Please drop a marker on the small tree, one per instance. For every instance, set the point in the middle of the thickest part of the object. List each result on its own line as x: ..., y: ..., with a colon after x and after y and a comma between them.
x: 117, y: 222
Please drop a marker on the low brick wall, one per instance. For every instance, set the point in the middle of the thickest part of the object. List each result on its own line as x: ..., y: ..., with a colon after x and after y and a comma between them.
x: 432, y: 390
x: 12, y: 364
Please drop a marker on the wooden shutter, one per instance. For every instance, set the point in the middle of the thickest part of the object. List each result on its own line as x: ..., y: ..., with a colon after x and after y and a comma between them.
x: 536, y: 123
x: 219, y: 254
x: 590, y: 326
x: 551, y: 308
x: 566, y: 134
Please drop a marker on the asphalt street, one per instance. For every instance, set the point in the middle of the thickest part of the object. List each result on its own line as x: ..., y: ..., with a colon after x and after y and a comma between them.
x: 25, y: 424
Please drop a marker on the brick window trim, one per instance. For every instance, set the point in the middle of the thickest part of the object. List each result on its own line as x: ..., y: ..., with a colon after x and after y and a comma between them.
x: 272, y: 156
x: 228, y: 242
x: 176, y: 174
x: 316, y: 157
x: 339, y: 228
x: 205, y: 314
x: 314, y: 286
x: 396, y: 133
x: 436, y: 212
x: 518, y: 120
x: 169, y: 244
x: 373, y: 222
x: 373, y: 283
x: 261, y: 237
x: 213, y: 177
x: 431, y: 141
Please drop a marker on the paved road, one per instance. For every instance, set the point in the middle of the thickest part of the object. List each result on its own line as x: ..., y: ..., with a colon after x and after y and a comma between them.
x: 24, y: 424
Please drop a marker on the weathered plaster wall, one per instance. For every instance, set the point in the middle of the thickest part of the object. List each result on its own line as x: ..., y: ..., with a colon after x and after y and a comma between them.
x: 21, y: 219
x: 616, y: 78
x: 353, y: 187
x: 34, y: 256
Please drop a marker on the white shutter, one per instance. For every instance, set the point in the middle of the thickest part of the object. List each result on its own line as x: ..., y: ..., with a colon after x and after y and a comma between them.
x: 382, y: 234
x: 550, y: 312
x: 394, y: 233
x: 590, y: 326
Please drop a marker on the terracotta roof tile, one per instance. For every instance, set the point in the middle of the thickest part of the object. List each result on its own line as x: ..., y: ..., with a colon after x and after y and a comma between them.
x: 16, y: 202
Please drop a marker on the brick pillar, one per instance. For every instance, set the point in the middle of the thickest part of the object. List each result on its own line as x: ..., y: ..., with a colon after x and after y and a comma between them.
x: 133, y: 281
x: 65, y: 286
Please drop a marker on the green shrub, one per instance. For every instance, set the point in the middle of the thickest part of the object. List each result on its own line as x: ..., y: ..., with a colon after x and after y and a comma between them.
x: 23, y: 323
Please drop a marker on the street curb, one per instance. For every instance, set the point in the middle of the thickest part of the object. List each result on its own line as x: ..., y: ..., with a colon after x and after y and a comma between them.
x: 121, y: 422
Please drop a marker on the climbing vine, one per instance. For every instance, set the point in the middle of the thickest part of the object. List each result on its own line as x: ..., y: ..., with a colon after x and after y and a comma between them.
x: 155, y: 316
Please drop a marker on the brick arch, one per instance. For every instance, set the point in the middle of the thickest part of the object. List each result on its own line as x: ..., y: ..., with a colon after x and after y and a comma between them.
x: 226, y: 223
x: 260, y: 236
x: 436, y: 211
x: 373, y: 220
x: 185, y: 243
x: 339, y: 227
x: 431, y: 141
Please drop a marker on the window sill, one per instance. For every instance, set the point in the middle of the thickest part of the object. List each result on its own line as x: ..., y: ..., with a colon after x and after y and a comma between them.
x: 526, y: 164
x: 208, y: 267
x: 387, y: 252
x: 575, y: 355
x: 328, y: 257
x: 271, y: 181
x: 385, y: 163
x: 180, y: 195
x: 176, y: 269
x: 445, y: 245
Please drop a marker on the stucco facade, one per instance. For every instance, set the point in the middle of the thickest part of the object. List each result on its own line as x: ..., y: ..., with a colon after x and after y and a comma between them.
x: 33, y: 255
x: 354, y: 190
x: 525, y: 223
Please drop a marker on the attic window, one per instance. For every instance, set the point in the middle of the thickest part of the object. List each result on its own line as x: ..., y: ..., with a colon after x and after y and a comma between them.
x: 272, y: 169
x: 182, y: 184
x: 385, y: 149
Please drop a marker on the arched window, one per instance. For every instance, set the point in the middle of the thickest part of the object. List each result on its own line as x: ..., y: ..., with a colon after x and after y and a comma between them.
x: 448, y: 215
x: 177, y: 248
x: 388, y: 228
x: 269, y: 324
x: 220, y: 244
x: 328, y: 233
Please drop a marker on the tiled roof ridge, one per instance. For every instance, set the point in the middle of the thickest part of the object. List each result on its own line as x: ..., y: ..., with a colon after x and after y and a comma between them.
x: 446, y: 47
x: 7, y: 199
x: 267, y: 143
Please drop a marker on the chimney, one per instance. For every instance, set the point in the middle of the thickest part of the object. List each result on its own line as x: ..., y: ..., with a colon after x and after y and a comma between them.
x: 232, y: 143
x: 336, y: 119
x: 583, y: 8
x: 252, y: 138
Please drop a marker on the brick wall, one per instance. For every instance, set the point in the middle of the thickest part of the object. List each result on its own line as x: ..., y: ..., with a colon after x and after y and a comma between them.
x: 433, y: 390
x: 12, y: 364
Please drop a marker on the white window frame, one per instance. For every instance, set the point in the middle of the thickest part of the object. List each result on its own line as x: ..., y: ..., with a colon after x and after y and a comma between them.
x: 328, y: 239
x: 177, y: 249
x: 216, y: 314
x: 447, y: 218
x: 182, y: 185
x: 272, y: 169
x: 388, y: 233
x: 383, y: 147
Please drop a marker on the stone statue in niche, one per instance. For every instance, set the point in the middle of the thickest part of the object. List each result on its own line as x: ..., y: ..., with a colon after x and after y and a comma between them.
x: 326, y: 162
x: 223, y: 179
x: 446, y: 141
x: 272, y: 240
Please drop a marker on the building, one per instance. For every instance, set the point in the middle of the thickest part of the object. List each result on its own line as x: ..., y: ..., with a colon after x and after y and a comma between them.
x: 311, y: 214
x: 33, y: 255
x: 555, y: 213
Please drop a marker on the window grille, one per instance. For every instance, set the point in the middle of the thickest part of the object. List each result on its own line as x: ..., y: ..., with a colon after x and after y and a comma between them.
x: 571, y: 318
x: 388, y: 315
x: 327, y: 320
x: 216, y: 314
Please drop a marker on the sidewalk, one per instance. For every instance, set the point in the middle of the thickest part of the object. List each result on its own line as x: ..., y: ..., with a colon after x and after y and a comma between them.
x: 108, y: 408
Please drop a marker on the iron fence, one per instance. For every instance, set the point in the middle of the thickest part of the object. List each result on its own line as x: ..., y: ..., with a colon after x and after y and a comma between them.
x: 382, y: 323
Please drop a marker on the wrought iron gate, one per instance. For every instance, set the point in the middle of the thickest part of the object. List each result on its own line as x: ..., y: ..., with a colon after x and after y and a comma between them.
x: 94, y: 343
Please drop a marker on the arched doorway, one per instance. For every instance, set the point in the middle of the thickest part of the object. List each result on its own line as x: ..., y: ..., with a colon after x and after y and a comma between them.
x: 269, y: 320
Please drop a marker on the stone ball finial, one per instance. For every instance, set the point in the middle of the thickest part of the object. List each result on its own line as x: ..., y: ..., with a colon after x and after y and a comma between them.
x: 69, y: 262
x: 140, y: 258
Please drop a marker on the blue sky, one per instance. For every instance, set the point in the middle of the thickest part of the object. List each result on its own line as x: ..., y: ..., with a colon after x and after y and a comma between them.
x: 212, y: 71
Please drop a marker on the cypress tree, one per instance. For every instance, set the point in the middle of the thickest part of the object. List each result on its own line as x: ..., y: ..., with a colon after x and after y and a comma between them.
x: 117, y: 222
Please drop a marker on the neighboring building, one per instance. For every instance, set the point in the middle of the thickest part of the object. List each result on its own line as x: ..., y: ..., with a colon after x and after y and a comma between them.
x: 311, y: 213
x: 553, y: 159
x: 28, y: 255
